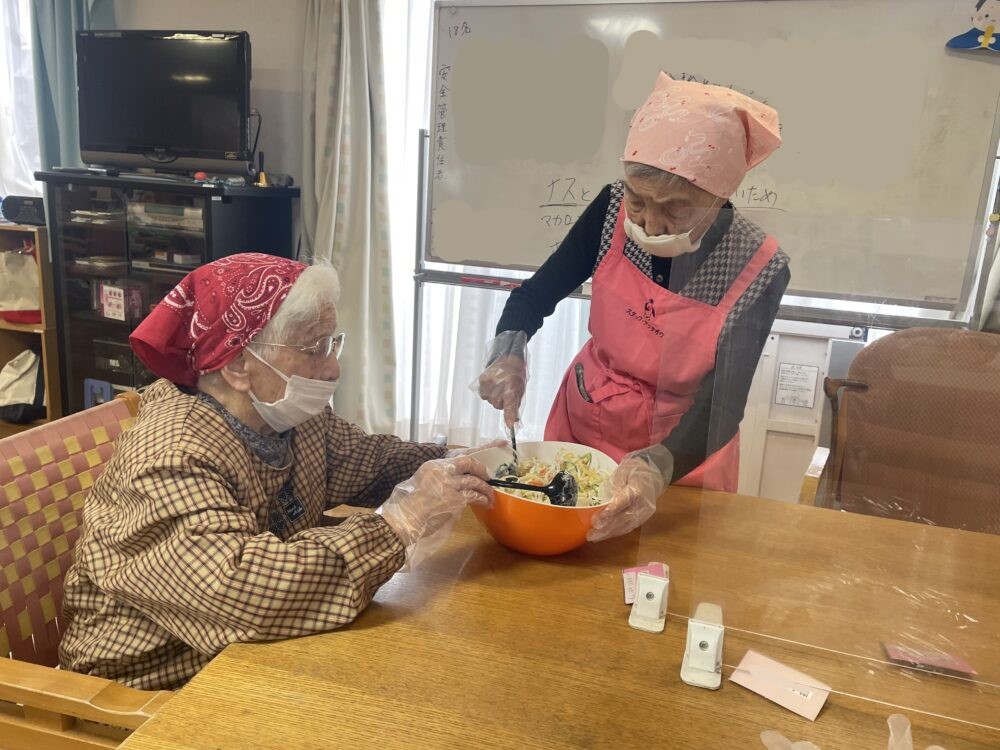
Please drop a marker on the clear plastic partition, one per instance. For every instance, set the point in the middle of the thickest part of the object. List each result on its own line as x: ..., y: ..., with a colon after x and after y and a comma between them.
x: 879, y: 581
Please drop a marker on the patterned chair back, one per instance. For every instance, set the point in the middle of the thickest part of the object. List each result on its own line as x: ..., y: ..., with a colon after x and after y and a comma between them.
x: 45, y: 475
x: 917, y: 436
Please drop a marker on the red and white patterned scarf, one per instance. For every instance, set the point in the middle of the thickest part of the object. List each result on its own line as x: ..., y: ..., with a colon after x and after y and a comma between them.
x: 212, y: 314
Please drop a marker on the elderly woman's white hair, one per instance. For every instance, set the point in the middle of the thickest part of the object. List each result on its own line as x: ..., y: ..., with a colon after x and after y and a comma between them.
x: 315, y: 293
x: 662, y: 179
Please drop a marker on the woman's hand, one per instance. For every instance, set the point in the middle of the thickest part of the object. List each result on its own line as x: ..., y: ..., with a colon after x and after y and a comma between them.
x: 456, y: 452
x: 423, y: 509
x: 502, y: 384
x: 634, y: 487
x: 505, y: 374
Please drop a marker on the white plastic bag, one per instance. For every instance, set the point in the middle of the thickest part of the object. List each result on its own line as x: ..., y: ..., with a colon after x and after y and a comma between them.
x: 18, y: 379
x: 19, y: 280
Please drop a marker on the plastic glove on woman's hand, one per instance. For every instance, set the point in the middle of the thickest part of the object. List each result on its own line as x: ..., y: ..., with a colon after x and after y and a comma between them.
x: 456, y: 452
x: 505, y: 375
x: 634, y: 487
x: 422, y: 510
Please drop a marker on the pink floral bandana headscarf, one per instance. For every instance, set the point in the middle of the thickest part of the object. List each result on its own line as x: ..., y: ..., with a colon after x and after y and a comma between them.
x: 710, y: 135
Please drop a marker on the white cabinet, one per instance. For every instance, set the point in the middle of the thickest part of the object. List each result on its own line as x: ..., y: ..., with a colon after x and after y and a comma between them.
x: 783, y: 422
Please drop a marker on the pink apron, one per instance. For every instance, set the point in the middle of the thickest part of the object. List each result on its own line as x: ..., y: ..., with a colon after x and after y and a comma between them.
x: 649, y: 351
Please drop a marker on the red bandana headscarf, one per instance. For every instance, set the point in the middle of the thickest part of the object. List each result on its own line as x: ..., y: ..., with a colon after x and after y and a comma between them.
x: 212, y: 314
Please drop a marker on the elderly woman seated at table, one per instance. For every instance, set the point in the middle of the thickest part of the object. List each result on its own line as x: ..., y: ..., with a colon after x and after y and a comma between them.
x: 205, y: 527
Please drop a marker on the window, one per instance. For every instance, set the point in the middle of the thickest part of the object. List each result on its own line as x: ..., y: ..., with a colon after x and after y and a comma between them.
x: 19, y: 156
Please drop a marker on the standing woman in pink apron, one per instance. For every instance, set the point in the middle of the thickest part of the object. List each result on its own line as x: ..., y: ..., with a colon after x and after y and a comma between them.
x: 685, y: 290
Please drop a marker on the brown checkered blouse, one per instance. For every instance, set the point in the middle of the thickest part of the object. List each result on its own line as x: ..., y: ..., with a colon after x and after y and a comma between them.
x: 180, y: 555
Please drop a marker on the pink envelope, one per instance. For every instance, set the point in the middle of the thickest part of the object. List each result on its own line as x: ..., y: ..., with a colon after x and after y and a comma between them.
x: 783, y: 685
x: 934, y: 661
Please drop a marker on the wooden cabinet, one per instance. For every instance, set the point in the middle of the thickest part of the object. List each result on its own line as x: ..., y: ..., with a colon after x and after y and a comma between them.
x: 40, y: 337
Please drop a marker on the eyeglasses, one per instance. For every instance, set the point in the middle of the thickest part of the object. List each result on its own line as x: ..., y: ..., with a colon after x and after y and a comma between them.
x: 323, y: 347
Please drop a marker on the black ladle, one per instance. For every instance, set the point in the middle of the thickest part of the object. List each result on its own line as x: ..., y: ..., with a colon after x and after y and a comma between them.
x: 562, y: 490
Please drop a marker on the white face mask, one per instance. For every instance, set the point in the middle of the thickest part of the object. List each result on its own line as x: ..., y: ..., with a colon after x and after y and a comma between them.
x: 664, y: 245
x: 304, y: 398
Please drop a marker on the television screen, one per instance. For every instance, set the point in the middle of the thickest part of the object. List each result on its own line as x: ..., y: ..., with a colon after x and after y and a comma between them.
x: 164, y: 94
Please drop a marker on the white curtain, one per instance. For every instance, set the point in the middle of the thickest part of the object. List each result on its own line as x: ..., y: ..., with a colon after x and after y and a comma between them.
x: 18, y: 124
x: 344, y: 203
x: 458, y: 322
x: 989, y: 319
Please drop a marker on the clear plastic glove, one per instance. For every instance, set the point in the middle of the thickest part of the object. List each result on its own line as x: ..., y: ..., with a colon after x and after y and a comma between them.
x: 423, y: 509
x: 505, y: 374
x: 900, y: 738
x: 634, y: 487
x: 456, y: 452
x: 774, y: 741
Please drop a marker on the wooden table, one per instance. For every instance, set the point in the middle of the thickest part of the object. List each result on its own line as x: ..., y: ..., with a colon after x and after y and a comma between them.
x: 486, y: 648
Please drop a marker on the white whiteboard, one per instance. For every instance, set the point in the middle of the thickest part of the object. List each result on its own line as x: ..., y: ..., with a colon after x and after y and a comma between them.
x: 877, y: 191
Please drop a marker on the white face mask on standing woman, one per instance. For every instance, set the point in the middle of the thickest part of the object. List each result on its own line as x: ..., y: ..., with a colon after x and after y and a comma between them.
x: 665, y: 245
x: 303, y: 399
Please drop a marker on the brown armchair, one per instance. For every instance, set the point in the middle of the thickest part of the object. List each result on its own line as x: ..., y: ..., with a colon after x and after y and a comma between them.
x: 45, y: 474
x: 916, y: 430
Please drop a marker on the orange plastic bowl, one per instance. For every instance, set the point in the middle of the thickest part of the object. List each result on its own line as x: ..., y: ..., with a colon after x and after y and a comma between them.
x: 536, y: 528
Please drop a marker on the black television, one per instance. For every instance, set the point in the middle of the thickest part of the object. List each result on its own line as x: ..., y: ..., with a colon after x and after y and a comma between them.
x: 169, y: 100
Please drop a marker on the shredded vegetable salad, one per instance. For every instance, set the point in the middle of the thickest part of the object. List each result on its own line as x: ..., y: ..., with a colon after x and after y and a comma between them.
x: 538, y: 472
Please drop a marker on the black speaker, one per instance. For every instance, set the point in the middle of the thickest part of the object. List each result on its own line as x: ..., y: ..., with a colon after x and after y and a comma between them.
x: 23, y: 209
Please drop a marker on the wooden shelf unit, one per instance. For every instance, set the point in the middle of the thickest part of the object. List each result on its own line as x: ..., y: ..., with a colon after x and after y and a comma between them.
x: 16, y: 337
x: 118, y: 231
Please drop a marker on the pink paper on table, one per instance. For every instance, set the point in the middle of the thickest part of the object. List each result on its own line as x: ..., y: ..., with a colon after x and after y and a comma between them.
x: 783, y: 685
x: 934, y: 661
x: 629, y: 577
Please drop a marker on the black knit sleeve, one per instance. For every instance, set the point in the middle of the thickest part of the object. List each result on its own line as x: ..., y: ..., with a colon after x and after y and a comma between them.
x: 714, y: 417
x: 564, y: 271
